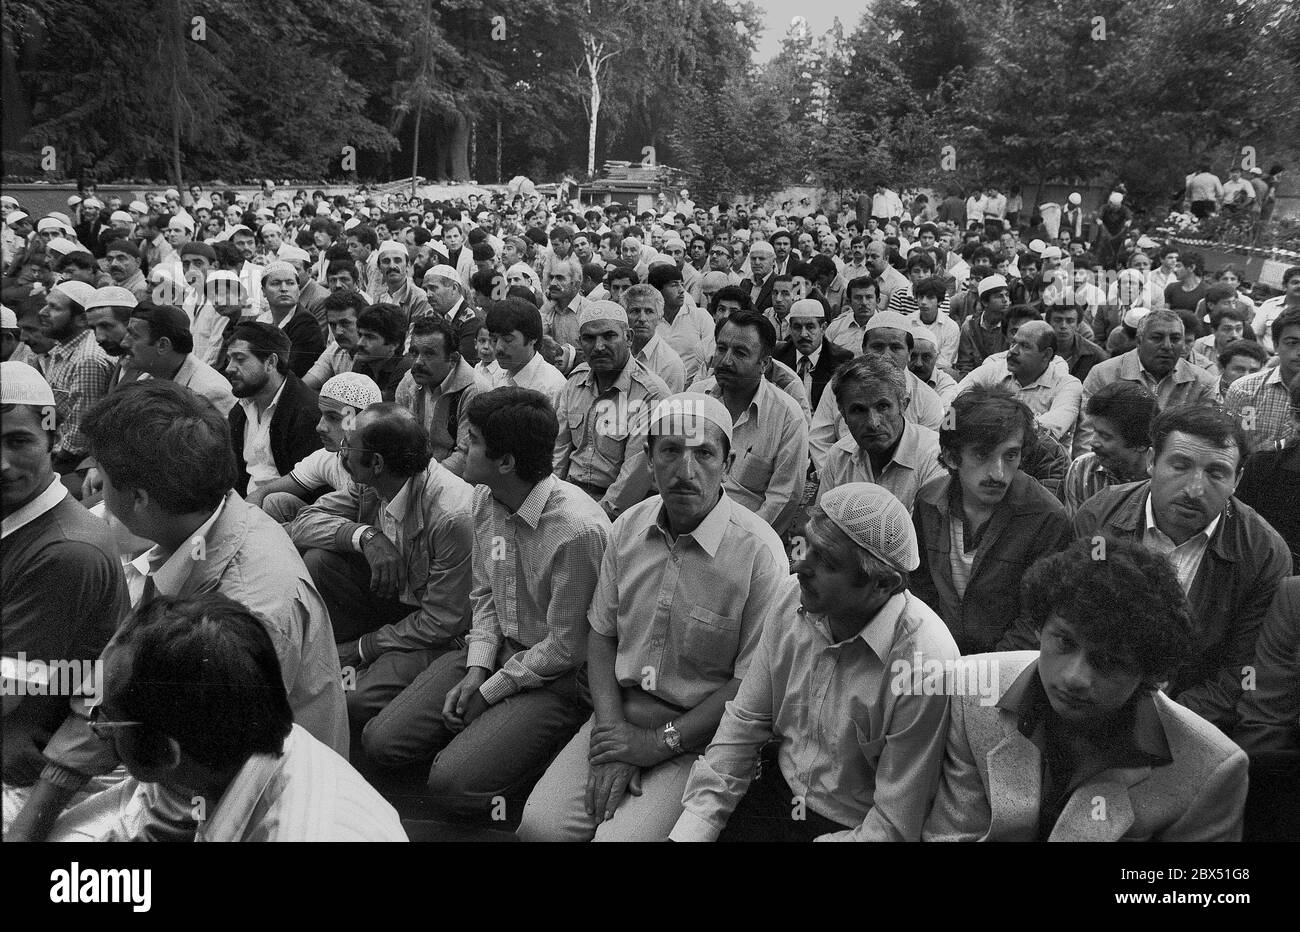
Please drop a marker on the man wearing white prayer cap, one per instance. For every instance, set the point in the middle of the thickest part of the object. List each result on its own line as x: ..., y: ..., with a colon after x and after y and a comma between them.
x: 395, y: 267
x: 77, y: 369
x: 813, y: 358
x: 446, y: 294
x: 847, y: 640
x: 676, y: 565
x: 9, y: 333
x: 603, y: 410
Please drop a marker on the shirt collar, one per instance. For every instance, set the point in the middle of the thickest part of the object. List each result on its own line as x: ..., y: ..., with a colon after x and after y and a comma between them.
x: 397, y: 507
x: 457, y: 378
x: 530, y: 512
x: 1151, y: 525
x: 171, y: 570
x: 54, y: 493
x: 62, y: 351
x: 878, y: 633
x: 230, y: 818
x: 708, y: 534
x: 250, y: 407
x: 812, y: 357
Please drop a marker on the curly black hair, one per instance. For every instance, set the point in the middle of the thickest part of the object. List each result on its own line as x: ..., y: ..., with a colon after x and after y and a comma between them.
x: 1114, y: 593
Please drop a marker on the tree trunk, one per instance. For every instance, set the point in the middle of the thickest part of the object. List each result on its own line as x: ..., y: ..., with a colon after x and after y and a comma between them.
x: 459, y: 148
x: 178, y: 56
x: 498, y: 148
x: 415, y: 157
x: 593, y: 68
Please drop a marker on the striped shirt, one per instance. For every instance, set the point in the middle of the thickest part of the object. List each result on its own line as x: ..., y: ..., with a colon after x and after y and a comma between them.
x: 1084, y: 479
x: 535, y: 572
x: 307, y: 793
x: 1263, y: 404
x: 79, y: 372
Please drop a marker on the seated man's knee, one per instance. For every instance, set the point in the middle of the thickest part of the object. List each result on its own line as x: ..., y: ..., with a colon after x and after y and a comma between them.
x: 283, y: 507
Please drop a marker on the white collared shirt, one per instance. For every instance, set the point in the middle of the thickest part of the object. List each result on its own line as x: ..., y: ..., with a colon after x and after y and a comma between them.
x: 257, y: 442
x: 169, y: 570
x: 54, y: 493
x: 1185, y: 557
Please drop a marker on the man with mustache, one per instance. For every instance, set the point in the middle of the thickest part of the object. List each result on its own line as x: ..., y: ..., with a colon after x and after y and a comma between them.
x: 813, y: 358
x: 603, y: 411
x: 564, y: 301
x: 342, y: 308
x: 108, y: 311
x: 1157, y: 363
x: 1228, y: 559
x: 439, y: 387
x: 124, y: 267
x: 645, y: 310
x: 983, y: 524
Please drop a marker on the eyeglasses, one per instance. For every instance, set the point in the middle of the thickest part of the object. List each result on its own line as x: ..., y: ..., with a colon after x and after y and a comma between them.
x: 104, y: 729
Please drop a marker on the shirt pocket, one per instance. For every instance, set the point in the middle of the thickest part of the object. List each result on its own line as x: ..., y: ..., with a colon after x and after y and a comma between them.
x: 754, y: 472
x: 710, y: 642
x: 869, y: 747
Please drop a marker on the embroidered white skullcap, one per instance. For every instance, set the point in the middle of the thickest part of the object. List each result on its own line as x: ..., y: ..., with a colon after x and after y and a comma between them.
x: 62, y: 246
x: 762, y: 248
x: 442, y: 271
x: 111, y: 296
x: 887, y: 319
x: 21, y: 384
x: 76, y: 291
x: 602, y: 310
x: 685, y: 413
x: 291, y: 253
x: 8, y: 318
x: 992, y: 283
x: 392, y: 247
x: 351, y: 224
x: 874, y: 520
x: 351, y: 390
x: 279, y: 266
x: 120, y: 216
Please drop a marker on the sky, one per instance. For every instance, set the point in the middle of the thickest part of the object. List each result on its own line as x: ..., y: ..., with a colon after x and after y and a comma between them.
x: 819, y: 14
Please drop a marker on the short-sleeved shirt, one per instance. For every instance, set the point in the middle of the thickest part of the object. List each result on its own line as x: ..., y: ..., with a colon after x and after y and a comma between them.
x: 321, y: 469
x: 914, y: 463
x: 687, y: 613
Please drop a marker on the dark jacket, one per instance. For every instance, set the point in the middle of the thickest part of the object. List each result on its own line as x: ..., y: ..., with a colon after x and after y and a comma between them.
x: 305, y: 341
x: 1270, y: 483
x: 1028, y: 524
x: 467, y: 322
x: 1238, y: 577
x: 764, y: 293
x: 387, y: 373
x: 1089, y: 355
x: 293, y: 429
x: 832, y: 358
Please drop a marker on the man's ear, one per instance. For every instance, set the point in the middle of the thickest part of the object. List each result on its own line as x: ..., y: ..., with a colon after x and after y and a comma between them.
x: 507, y: 464
x: 149, y: 755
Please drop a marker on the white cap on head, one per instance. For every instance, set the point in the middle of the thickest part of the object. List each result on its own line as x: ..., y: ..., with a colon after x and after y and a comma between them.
x: 8, y: 202
x: 808, y: 307
x: 1051, y: 252
x: 891, y: 320
x: 140, y: 207
x: 172, y: 192
x: 992, y: 283
x: 74, y: 200
x: 1146, y: 242
x: 63, y: 219
x: 62, y: 246
x: 351, y: 224
x: 602, y: 310
x: 203, y: 204
x: 120, y: 216
x: 111, y: 296
x: 93, y: 202
x: 291, y: 253
x: 391, y: 247
x: 874, y: 520
x: 351, y: 390
x: 21, y: 384
x: 685, y: 413
x: 76, y: 291
x: 8, y: 318
x: 661, y: 258
x: 271, y: 228
x: 283, y: 268
x: 1134, y: 316
x: 14, y: 216
x: 442, y: 271
x: 1075, y: 199
x: 49, y: 223
x: 715, y: 280
x: 921, y: 332
x: 182, y: 221
x: 762, y: 248
x: 674, y: 240
x: 1036, y: 246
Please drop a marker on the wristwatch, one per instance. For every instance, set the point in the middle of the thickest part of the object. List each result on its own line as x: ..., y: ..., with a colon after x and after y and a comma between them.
x: 367, y: 536
x: 673, y: 738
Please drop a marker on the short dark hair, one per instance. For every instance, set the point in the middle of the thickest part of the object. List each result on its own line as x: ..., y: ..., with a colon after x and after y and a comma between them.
x: 365, y: 235
x: 751, y: 318
x: 935, y: 286
x: 204, y: 672
x: 387, y: 320
x: 264, y: 340
x: 1130, y: 406
x: 345, y: 301
x: 515, y: 314
x: 920, y: 260
x: 1129, y: 603
x: 620, y: 270
x: 985, y: 418
x: 162, y: 438
x: 396, y: 434
x: 730, y: 293
x: 1018, y: 314
x: 1210, y: 424
x: 1288, y: 318
x: 1194, y: 260
x: 432, y: 324
x: 341, y: 265
x: 1243, y: 348
x: 166, y: 321
x: 518, y: 421
x: 525, y: 294
x: 863, y: 281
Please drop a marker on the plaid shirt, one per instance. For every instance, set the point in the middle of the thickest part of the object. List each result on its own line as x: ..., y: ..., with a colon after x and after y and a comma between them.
x: 535, y: 574
x: 1262, y: 402
x: 79, y: 372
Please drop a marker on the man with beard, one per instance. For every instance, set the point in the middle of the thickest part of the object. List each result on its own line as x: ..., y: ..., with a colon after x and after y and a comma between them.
x: 77, y: 369
x: 1158, y: 365
x: 280, y: 285
x: 249, y: 273
x: 108, y: 311
x: 813, y: 358
x: 645, y: 311
x: 983, y: 524
x: 381, y: 334
x: 881, y: 447
x: 1228, y: 560
x: 124, y: 268
x: 603, y: 412
x: 398, y: 288
x: 924, y: 360
x: 1121, y: 415
x: 321, y: 471
x: 274, y: 424
x: 564, y: 301
x: 342, y: 309
x: 438, y: 388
